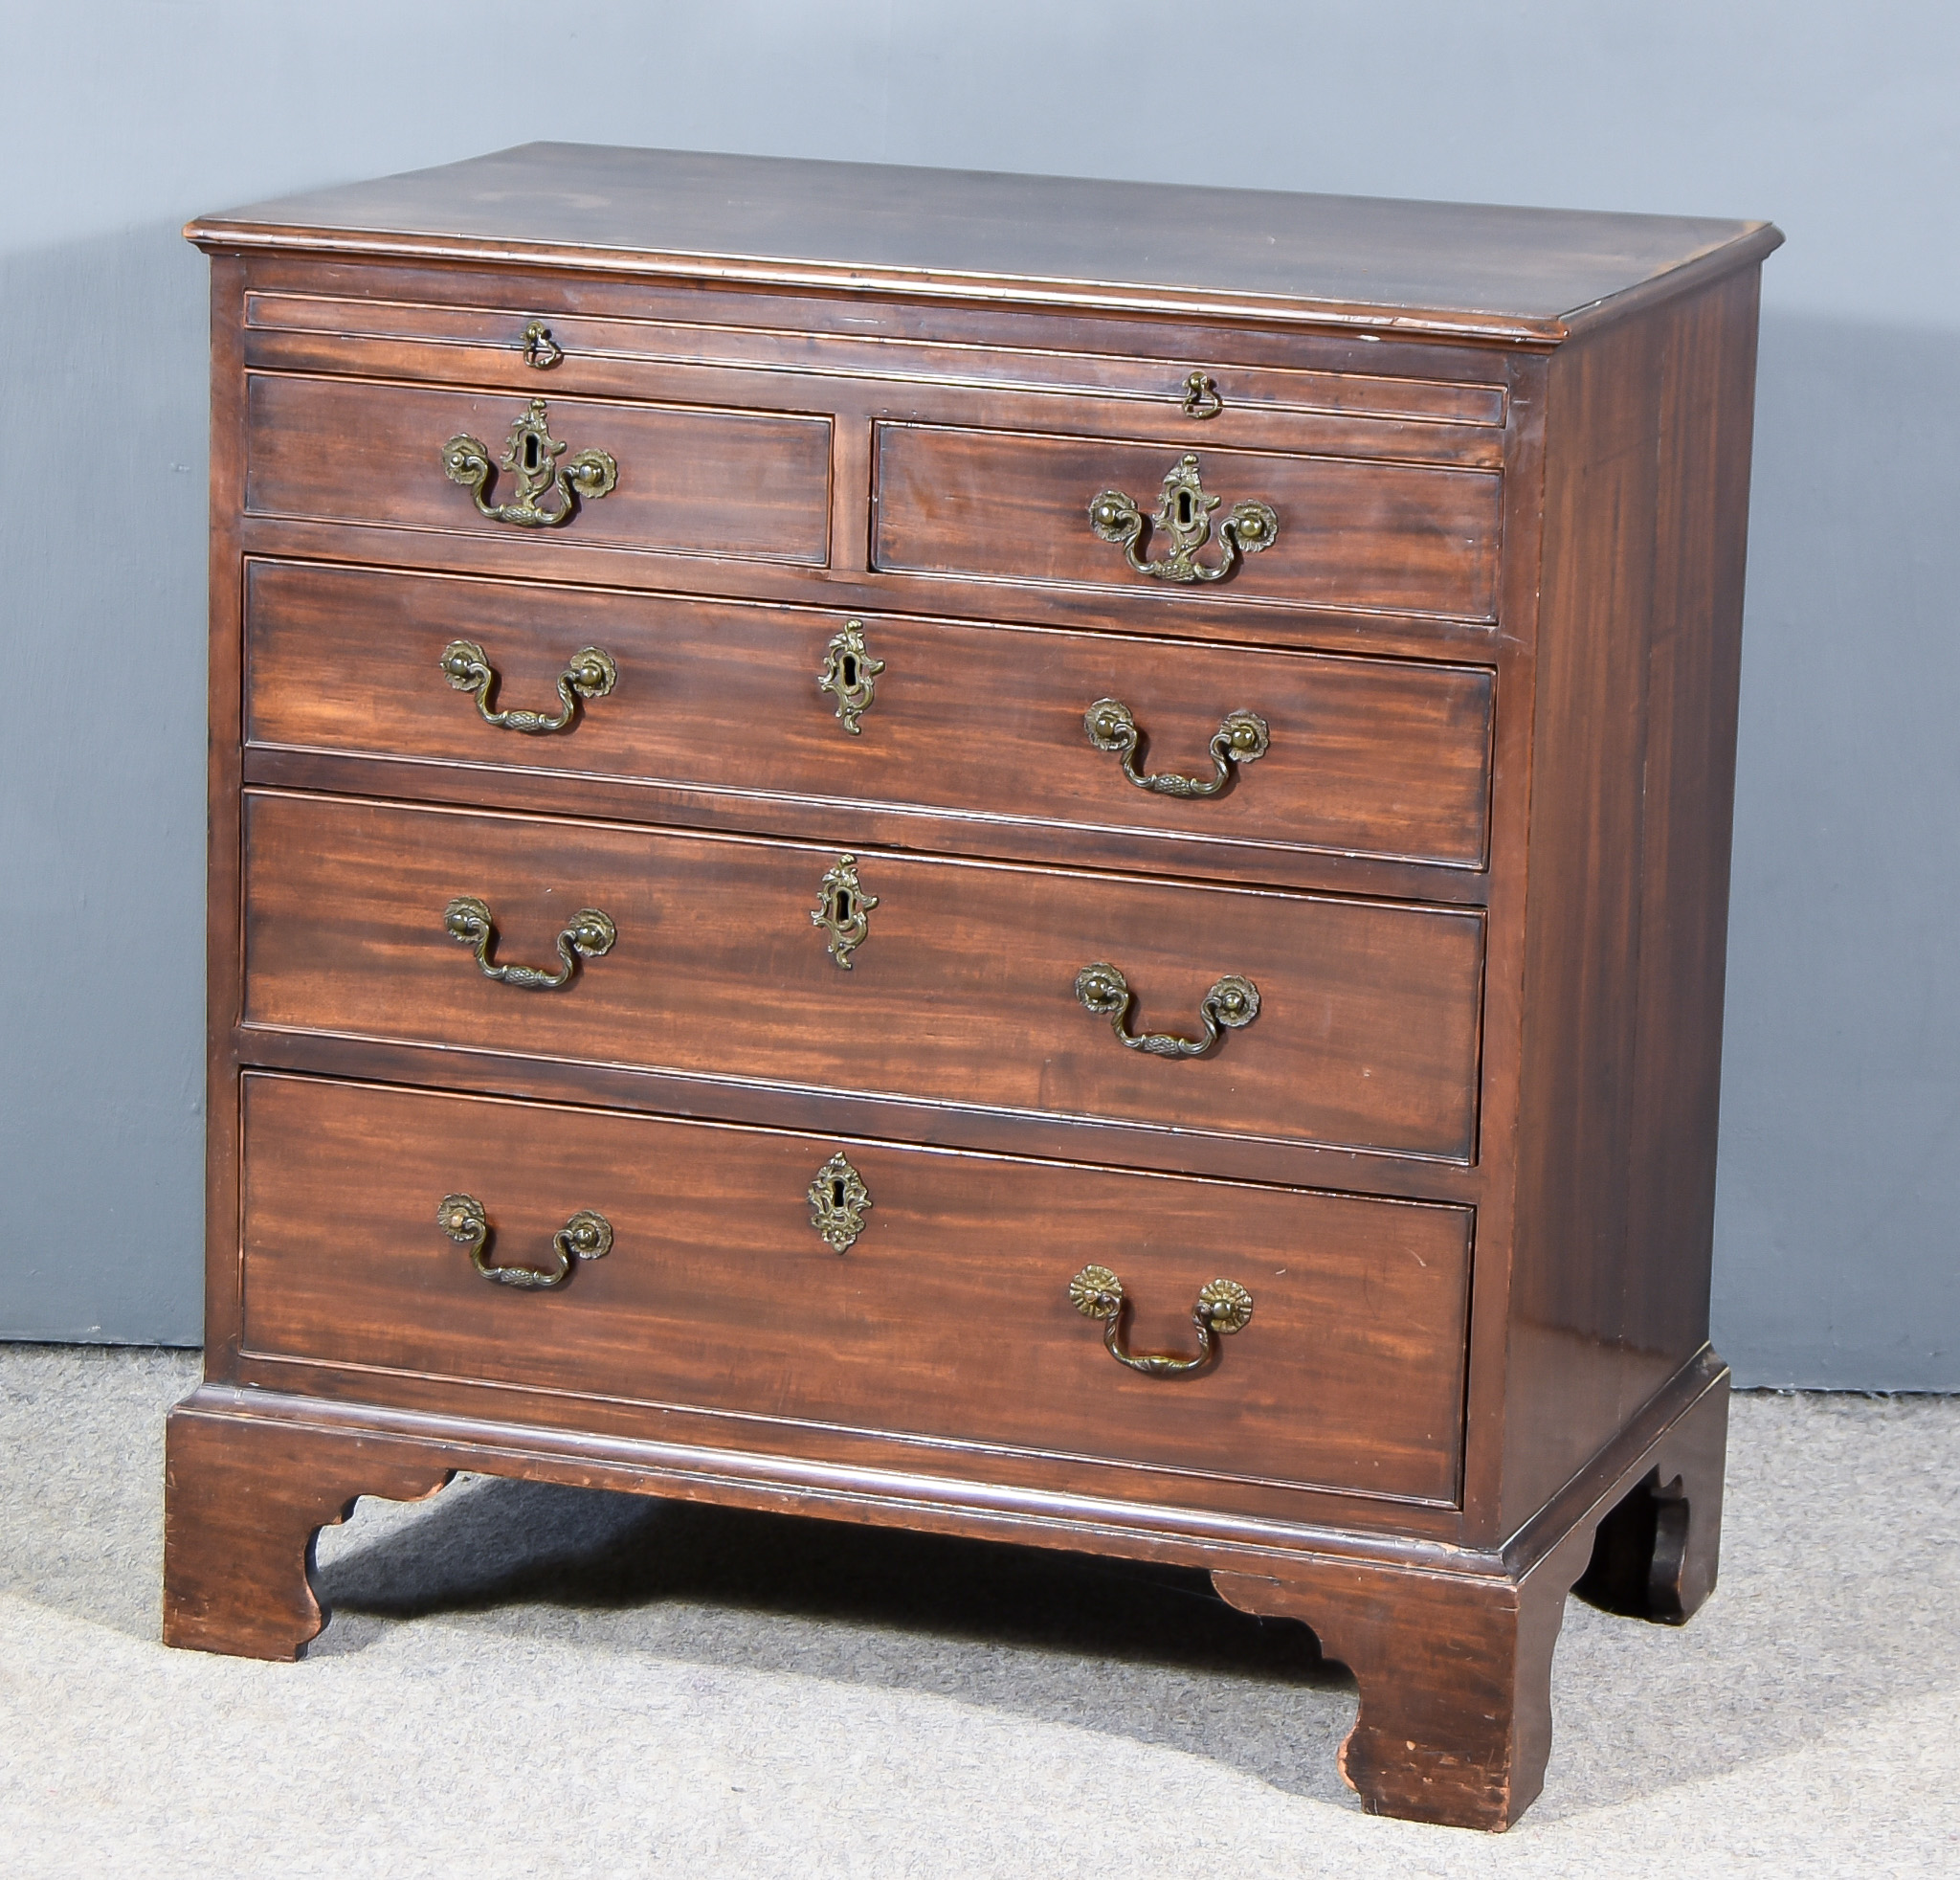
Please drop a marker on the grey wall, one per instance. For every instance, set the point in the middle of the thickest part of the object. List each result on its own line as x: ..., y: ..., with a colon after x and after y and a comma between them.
x: 1841, y: 1093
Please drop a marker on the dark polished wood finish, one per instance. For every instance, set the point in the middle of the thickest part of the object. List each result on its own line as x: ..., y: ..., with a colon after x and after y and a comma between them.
x: 242, y: 1504
x: 297, y: 333
x: 1462, y: 1160
x: 962, y: 993
x: 1455, y: 1723
x: 945, y: 1321
x: 1428, y: 267
x: 1369, y: 757
x: 734, y: 483
x: 1398, y: 537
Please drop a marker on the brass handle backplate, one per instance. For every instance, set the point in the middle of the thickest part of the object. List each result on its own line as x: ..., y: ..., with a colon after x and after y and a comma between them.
x: 1223, y: 1306
x: 531, y: 457
x: 587, y: 935
x: 586, y: 1236
x: 1243, y: 738
x: 1232, y: 1002
x: 588, y: 674
x: 1184, y: 514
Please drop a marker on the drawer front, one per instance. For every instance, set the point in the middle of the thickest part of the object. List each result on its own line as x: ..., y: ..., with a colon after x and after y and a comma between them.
x: 963, y: 990
x: 1365, y: 756
x: 1011, y: 506
x: 750, y: 485
x: 947, y: 1318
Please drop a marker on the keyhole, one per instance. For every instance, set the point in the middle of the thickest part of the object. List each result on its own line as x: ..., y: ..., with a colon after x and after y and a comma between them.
x: 850, y: 669
x: 841, y: 906
x: 530, y: 452
x: 1184, y: 508
x: 837, y: 1192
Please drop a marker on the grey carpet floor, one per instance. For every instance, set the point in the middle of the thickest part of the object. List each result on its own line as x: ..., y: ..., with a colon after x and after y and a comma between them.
x: 532, y: 1681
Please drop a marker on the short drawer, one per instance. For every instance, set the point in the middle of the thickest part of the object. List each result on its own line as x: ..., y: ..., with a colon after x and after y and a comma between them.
x: 689, y: 481
x: 948, y: 1319
x: 1339, y: 532
x: 986, y: 724
x: 962, y: 986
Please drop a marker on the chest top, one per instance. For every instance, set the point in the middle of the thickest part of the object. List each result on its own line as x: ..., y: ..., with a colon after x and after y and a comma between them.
x: 1417, y: 267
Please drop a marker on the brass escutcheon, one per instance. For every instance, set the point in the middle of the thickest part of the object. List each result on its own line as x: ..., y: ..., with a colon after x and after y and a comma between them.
x: 588, y: 674
x: 1184, y: 513
x: 1223, y: 1306
x: 1243, y: 738
x: 839, y: 1202
x: 843, y: 909
x: 849, y: 674
x: 1232, y: 1002
x: 587, y: 935
x: 531, y: 457
x: 586, y: 1236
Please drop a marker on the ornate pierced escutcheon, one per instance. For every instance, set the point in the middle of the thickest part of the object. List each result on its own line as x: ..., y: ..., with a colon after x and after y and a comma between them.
x: 1184, y: 514
x: 843, y: 909
x: 588, y: 674
x: 587, y: 935
x: 531, y: 457
x: 849, y: 674
x: 586, y: 1236
x: 1223, y: 1306
x: 839, y: 1202
x: 541, y: 350
x: 1201, y: 396
x: 1232, y: 1002
x: 1243, y: 738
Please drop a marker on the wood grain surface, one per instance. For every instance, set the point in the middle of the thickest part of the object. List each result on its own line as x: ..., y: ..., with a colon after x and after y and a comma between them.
x: 981, y: 722
x: 1636, y: 727
x: 1450, y: 268
x: 948, y: 1318
x: 452, y: 339
x: 1006, y: 508
x: 1480, y: 880
x: 963, y: 994
x: 700, y: 482
x: 242, y: 1503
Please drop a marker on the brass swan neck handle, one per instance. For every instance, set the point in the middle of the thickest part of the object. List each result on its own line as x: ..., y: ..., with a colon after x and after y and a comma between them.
x: 588, y: 674
x: 1223, y: 1306
x: 587, y: 935
x: 1232, y: 1002
x: 1242, y: 738
x: 586, y: 1236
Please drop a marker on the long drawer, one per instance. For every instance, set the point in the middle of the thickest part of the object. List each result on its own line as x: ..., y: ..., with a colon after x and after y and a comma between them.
x: 948, y: 1317
x: 967, y: 984
x: 1362, y: 756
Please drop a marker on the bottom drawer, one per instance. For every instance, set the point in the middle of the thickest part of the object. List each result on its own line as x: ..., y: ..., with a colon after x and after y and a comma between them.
x: 948, y: 1317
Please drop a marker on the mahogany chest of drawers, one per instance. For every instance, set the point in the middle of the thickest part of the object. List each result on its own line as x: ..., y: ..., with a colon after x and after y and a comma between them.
x: 1039, y: 859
